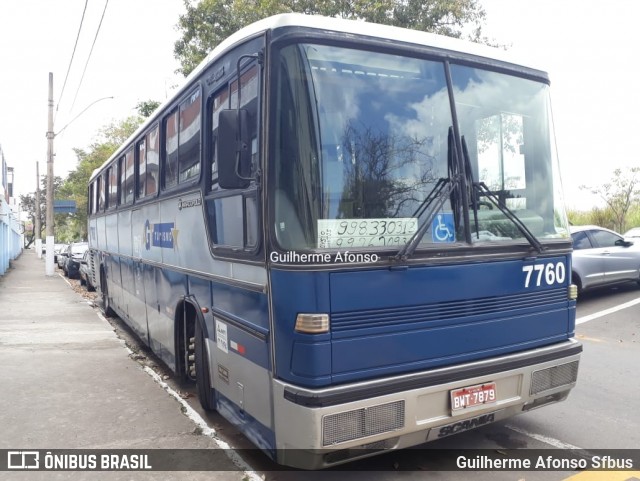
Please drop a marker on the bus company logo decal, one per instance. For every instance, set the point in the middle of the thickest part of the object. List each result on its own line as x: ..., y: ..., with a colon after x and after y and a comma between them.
x: 163, y: 235
x: 465, y: 425
x: 185, y: 204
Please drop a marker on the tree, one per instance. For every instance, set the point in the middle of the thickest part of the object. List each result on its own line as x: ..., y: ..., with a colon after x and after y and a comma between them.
x: 75, y: 187
x: 147, y: 107
x: 28, y: 203
x: 619, y: 194
x: 207, y: 22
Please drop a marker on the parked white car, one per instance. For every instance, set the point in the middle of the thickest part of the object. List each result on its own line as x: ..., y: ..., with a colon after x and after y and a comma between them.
x: 631, y: 233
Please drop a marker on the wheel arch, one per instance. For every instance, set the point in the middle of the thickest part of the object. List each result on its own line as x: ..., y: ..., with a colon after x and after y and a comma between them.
x: 575, y: 279
x: 188, y: 313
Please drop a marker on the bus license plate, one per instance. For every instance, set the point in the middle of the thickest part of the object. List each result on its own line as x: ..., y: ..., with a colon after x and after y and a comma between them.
x: 471, y: 396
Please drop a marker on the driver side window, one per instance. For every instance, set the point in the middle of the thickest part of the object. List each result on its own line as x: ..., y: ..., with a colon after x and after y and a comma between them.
x: 232, y: 215
x: 605, y: 239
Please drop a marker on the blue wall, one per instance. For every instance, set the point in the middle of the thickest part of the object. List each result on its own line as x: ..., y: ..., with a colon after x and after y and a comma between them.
x: 10, y: 238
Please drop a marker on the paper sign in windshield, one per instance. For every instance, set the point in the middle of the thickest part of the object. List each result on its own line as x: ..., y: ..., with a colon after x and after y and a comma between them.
x: 351, y: 233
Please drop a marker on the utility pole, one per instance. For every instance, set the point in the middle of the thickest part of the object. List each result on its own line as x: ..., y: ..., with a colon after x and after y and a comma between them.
x: 50, y: 136
x: 37, y: 227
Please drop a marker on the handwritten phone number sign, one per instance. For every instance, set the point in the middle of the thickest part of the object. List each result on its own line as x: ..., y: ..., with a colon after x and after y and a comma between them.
x: 339, y: 233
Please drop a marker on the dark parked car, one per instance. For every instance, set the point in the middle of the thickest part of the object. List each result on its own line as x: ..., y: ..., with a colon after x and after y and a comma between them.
x: 86, y: 271
x: 603, y: 257
x: 75, y: 252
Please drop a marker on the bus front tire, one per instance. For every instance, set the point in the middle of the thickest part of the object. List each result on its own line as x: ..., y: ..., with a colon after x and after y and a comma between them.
x: 203, y: 380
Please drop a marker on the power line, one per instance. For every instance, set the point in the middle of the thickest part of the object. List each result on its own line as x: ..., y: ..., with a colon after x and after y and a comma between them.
x: 90, y: 52
x: 73, y: 53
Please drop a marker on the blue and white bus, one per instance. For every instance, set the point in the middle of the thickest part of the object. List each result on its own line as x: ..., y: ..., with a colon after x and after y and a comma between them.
x: 351, y: 237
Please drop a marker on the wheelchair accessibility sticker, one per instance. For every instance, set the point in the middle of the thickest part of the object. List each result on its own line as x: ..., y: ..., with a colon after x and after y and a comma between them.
x: 442, y: 229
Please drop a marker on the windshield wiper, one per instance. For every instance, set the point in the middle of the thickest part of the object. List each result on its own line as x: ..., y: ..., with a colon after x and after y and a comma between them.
x: 434, y: 202
x: 481, y: 188
x: 443, y: 189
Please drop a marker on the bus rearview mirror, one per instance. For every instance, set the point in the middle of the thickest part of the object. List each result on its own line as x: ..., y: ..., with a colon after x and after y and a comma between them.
x: 234, y: 149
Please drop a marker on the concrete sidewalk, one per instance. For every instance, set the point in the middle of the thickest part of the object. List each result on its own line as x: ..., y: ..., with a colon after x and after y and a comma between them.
x: 67, y: 382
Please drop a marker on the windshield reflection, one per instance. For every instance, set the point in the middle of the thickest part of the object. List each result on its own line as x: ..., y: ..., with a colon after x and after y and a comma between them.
x: 362, y: 139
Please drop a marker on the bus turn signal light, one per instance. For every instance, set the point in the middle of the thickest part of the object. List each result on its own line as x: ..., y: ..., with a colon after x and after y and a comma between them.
x: 312, y: 323
x: 573, y: 292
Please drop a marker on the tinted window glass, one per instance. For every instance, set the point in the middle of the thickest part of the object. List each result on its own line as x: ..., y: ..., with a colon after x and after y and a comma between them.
x: 153, y: 161
x: 92, y: 198
x: 251, y: 221
x: 171, y: 150
x: 142, y: 168
x: 604, y: 238
x: 581, y: 241
x: 123, y: 172
x: 126, y: 177
x: 219, y: 102
x: 189, y: 137
x: 232, y: 217
x: 101, y: 193
x: 112, y: 173
x: 224, y: 214
x: 228, y: 98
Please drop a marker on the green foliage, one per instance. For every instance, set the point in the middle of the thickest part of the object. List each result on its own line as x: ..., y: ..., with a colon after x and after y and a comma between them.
x: 604, y: 217
x: 206, y: 23
x: 620, y: 194
x: 146, y: 108
x: 28, y: 203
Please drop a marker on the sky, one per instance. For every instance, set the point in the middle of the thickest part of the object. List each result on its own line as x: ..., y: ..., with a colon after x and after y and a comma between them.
x: 589, y: 49
x: 132, y: 60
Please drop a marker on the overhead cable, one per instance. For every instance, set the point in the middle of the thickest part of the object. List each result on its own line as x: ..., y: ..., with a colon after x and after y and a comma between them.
x: 90, y: 52
x: 73, y: 53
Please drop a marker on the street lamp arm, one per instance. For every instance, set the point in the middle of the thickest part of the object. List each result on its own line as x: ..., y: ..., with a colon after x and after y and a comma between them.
x: 85, y: 109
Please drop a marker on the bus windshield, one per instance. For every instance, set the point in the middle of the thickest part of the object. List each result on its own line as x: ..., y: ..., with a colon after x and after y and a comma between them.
x: 364, y: 139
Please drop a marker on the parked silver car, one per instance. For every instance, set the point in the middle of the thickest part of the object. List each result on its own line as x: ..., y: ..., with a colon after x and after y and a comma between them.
x: 603, y: 257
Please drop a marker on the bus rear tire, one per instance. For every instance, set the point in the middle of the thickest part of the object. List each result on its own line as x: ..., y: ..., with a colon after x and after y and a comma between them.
x: 106, y: 304
x: 203, y: 379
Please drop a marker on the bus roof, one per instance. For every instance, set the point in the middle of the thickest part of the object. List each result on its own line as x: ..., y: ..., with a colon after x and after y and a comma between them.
x: 354, y: 27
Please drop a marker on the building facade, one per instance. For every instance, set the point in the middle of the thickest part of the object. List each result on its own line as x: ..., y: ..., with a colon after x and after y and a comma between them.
x: 10, y: 226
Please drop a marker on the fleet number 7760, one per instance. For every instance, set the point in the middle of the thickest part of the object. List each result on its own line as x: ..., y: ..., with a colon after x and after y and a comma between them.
x: 548, y: 273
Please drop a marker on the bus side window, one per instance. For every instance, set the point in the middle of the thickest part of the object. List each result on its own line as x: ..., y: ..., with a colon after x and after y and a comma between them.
x: 142, y: 168
x: 126, y: 178
x: 153, y: 161
x: 101, y: 195
x: 189, y: 137
x: 91, y: 206
x: 112, y: 185
x: 170, y: 173
x: 182, y: 142
x: 121, y: 180
x: 219, y: 102
x: 249, y: 98
x: 226, y: 207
